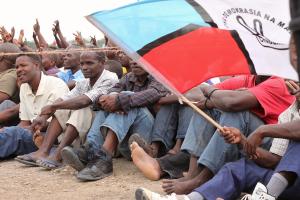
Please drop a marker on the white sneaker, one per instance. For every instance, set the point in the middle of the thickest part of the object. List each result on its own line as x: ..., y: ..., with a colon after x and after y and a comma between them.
x: 145, y: 194
x: 260, y: 193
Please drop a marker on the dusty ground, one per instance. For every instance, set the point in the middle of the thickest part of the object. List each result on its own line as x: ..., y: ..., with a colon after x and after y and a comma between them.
x: 20, y: 182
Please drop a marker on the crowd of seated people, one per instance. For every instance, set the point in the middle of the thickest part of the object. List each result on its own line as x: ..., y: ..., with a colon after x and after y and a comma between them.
x: 80, y: 105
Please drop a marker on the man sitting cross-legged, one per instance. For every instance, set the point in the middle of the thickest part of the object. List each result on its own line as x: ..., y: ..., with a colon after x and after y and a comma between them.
x: 244, y: 102
x: 98, y: 81
x: 125, y: 110
x: 277, y: 168
x: 37, y: 90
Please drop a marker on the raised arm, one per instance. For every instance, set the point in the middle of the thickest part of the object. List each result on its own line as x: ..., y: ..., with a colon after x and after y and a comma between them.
x: 37, y: 30
x: 58, y: 42
x: 63, y: 41
x: 36, y: 41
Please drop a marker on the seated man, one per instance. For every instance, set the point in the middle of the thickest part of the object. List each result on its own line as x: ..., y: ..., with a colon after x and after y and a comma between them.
x: 246, y: 109
x: 49, y: 63
x: 114, y: 66
x: 278, y: 168
x: 73, y: 71
x: 170, y: 126
x: 125, y: 111
x: 9, y: 111
x: 37, y: 90
x: 8, y: 77
x: 242, y: 175
x: 98, y: 81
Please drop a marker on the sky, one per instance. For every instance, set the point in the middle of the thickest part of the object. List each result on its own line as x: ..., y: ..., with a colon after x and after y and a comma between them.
x: 71, y: 14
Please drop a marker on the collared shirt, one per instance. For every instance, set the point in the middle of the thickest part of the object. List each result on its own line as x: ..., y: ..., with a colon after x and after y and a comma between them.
x: 67, y: 75
x: 106, y: 81
x: 145, y: 94
x: 50, y: 89
x: 280, y: 145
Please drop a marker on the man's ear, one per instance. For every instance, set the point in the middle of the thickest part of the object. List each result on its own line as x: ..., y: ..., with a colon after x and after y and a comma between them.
x: 37, y: 65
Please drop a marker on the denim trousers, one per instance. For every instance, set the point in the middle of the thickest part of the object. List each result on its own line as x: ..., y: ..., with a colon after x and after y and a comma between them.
x: 137, y: 120
x: 204, y: 141
x: 15, y: 141
x: 5, y: 105
x: 243, y: 175
x: 171, y: 123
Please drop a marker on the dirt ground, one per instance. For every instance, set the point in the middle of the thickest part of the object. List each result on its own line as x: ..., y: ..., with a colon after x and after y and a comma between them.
x: 20, y: 182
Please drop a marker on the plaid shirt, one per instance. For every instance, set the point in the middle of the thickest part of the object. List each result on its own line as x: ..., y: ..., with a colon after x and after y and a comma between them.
x: 106, y: 81
x: 145, y: 93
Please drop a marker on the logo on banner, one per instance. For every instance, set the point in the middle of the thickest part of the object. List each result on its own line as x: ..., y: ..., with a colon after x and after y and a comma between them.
x: 257, y: 24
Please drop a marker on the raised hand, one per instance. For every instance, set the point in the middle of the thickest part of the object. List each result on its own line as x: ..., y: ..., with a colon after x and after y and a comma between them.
x: 79, y: 39
x: 12, y: 32
x: 20, y: 39
x: 36, y: 26
x: 93, y: 40
x: 6, y: 36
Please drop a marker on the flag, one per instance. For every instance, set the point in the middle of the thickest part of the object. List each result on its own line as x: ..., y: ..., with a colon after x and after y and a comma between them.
x: 186, y: 42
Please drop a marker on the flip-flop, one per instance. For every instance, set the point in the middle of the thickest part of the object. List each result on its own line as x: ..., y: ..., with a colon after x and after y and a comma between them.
x: 49, y: 164
x: 27, y: 159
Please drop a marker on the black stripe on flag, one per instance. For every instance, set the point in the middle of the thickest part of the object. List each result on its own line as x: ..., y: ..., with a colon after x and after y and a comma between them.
x: 202, y: 12
x: 241, y: 45
x: 187, y: 29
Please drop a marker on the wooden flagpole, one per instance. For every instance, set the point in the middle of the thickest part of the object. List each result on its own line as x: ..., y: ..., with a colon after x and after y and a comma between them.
x: 202, y: 113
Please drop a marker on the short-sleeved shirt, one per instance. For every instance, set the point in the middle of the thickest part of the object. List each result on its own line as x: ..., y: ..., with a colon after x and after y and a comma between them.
x: 106, y: 81
x: 8, y: 84
x: 272, y: 95
x: 68, y: 75
x: 280, y: 145
x: 50, y: 89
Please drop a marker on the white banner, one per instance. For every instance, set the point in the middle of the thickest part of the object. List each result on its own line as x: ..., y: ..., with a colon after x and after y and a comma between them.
x: 262, y: 26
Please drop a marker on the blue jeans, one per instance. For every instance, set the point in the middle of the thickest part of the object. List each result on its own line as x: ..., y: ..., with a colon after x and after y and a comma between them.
x: 171, y: 123
x: 94, y: 139
x: 15, y: 141
x: 203, y: 140
x: 4, y: 106
x: 242, y: 176
x: 137, y: 120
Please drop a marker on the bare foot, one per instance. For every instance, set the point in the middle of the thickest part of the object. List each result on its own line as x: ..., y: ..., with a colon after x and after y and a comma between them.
x: 176, y: 147
x: 179, y: 187
x: 189, y: 175
x: 185, y: 187
x: 173, y: 151
x: 145, y: 163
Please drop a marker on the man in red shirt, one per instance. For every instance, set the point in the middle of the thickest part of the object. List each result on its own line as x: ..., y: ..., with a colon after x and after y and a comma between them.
x: 244, y: 102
